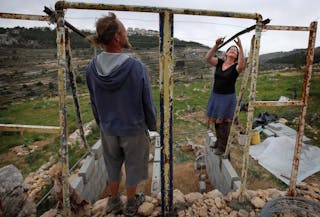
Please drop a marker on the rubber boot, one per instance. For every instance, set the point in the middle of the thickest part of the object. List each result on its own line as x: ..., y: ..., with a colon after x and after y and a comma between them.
x: 224, y: 130
x: 218, y: 135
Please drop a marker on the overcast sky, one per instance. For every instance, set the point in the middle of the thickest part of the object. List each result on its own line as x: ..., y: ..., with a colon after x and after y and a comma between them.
x: 201, y: 29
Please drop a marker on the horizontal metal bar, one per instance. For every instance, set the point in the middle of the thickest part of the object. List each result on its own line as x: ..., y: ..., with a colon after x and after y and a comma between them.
x: 264, y: 22
x: 24, y: 17
x: 30, y: 128
x: 277, y: 103
x: 60, y: 5
x: 286, y: 28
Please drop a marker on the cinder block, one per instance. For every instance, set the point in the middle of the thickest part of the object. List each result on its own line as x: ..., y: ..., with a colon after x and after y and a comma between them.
x: 156, y: 179
x: 157, y: 154
x: 78, y: 185
x: 220, y: 171
x: 153, y: 134
x: 101, y: 171
x: 157, y: 142
x: 97, y: 149
x: 236, y: 185
x: 229, y: 174
x: 209, y: 137
x: 87, y: 169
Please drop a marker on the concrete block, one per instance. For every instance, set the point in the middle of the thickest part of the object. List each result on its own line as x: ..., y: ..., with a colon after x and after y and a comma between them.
x: 87, y: 169
x: 88, y: 194
x: 101, y: 171
x: 157, y: 142
x: 157, y: 154
x: 236, y: 185
x: 153, y: 134
x: 97, y: 149
x: 156, y: 179
x: 229, y: 174
x: 78, y: 185
x: 209, y: 137
x: 220, y: 171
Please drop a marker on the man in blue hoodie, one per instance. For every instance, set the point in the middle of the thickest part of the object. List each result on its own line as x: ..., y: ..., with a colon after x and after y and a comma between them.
x: 123, y: 108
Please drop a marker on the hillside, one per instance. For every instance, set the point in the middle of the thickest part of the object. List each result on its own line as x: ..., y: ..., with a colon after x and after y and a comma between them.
x: 291, y: 59
x: 28, y: 60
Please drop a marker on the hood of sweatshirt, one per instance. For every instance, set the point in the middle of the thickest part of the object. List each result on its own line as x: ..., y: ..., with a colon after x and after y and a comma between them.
x: 111, y: 69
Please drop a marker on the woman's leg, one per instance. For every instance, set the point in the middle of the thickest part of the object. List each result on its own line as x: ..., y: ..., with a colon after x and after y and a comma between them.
x: 223, y: 131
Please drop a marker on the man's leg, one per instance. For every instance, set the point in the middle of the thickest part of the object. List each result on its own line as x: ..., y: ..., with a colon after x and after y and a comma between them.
x: 113, y: 157
x: 114, y: 189
x: 114, y: 203
x: 131, y: 192
x: 136, y: 150
x: 134, y: 201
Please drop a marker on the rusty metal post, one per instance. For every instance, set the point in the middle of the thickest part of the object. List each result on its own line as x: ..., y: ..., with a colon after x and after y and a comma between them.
x: 94, y: 6
x: 62, y: 89
x: 24, y: 16
x: 73, y: 86
x: 252, y: 98
x: 305, y: 97
x: 166, y: 106
x: 243, y: 87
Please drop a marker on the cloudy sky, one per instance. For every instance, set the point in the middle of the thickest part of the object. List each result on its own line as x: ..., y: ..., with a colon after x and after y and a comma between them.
x: 201, y: 29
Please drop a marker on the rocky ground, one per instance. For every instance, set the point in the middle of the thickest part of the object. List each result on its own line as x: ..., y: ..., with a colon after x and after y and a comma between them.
x: 212, y: 203
x: 15, y: 201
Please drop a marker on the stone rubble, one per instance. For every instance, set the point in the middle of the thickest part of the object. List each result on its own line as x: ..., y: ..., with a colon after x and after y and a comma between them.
x: 212, y: 203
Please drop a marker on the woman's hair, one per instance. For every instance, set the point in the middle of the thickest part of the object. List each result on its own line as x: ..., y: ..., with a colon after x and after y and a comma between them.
x: 106, y: 27
x: 237, y: 51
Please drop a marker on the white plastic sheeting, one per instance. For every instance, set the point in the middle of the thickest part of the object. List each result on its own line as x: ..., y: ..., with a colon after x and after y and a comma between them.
x: 276, y: 154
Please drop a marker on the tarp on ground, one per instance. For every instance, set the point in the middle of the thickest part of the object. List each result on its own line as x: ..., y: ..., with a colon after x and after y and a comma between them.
x: 276, y: 154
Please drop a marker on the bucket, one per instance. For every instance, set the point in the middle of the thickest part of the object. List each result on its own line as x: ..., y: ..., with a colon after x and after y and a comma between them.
x: 255, y: 138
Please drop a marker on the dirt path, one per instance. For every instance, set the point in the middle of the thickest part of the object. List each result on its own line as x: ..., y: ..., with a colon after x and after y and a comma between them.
x: 184, y: 178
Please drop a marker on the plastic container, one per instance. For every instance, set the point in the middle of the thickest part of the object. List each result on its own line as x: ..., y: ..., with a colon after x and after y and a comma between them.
x: 255, y: 138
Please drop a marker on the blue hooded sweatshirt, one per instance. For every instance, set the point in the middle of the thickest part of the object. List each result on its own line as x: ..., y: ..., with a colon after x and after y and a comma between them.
x: 120, y: 95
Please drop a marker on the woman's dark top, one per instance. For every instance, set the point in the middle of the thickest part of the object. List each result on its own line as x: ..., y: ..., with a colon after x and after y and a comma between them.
x: 224, y: 81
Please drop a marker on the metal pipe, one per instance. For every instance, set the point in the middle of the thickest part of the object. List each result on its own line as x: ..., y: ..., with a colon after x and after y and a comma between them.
x: 91, y: 6
x: 166, y: 63
x: 29, y: 128
x: 276, y: 103
x: 302, y: 117
x: 252, y: 98
x: 286, y: 28
x: 264, y: 22
x: 73, y: 86
x: 24, y: 17
x: 53, y: 17
x: 239, y: 100
x: 62, y: 89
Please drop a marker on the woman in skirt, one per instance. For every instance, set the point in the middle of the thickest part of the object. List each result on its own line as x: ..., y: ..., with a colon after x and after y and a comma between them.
x: 223, y: 99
